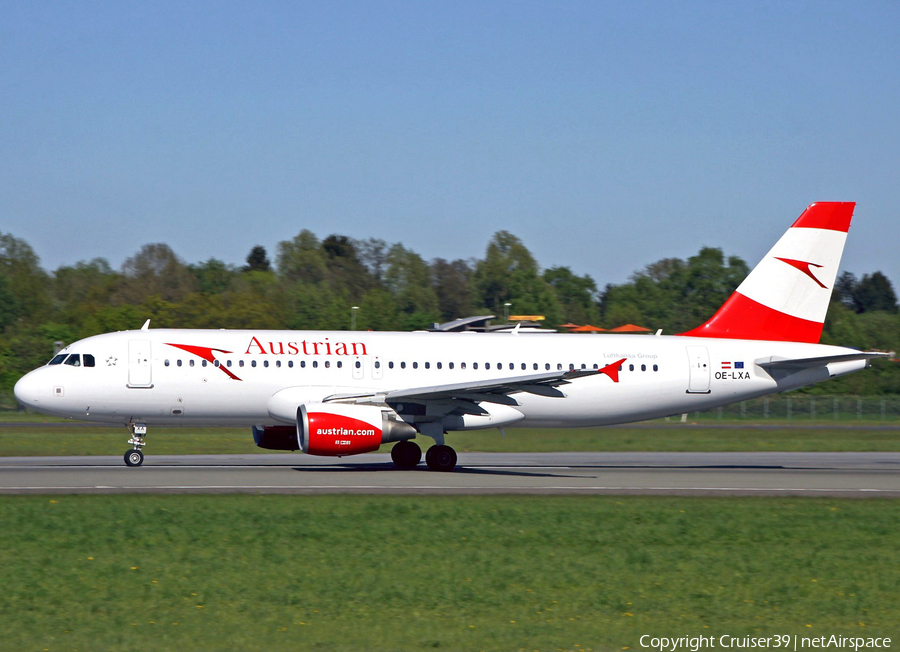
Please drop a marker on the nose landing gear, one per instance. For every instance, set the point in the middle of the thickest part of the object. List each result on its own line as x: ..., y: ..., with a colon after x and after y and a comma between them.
x: 135, y: 457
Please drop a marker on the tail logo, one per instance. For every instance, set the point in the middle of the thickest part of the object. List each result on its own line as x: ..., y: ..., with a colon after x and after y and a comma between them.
x: 803, y: 267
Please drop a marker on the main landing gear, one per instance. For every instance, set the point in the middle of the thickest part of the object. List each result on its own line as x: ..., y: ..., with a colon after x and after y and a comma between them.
x: 135, y: 457
x: 440, y: 458
x: 407, y: 455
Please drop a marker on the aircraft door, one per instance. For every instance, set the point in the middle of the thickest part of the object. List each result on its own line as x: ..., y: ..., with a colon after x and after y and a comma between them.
x: 139, y: 368
x: 698, y: 358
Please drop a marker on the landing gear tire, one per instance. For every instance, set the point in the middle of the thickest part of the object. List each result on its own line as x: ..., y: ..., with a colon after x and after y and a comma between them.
x: 406, y: 454
x: 441, y: 458
x: 134, y: 458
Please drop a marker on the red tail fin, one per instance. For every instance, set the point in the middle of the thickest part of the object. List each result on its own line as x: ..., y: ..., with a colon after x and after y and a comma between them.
x: 786, y: 295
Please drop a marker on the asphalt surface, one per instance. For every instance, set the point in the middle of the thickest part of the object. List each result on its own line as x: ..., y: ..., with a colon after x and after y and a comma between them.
x: 719, y: 474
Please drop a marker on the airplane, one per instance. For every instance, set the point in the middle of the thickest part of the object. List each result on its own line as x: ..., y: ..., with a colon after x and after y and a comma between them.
x: 339, y: 393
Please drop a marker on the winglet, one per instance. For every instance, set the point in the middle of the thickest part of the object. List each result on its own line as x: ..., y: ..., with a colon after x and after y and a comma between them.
x: 612, y: 370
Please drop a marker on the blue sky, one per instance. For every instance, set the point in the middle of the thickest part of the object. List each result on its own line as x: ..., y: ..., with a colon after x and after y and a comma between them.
x: 606, y: 135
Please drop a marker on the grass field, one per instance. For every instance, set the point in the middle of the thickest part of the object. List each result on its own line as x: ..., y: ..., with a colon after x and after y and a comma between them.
x: 55, y: 438
x: 457, y: 573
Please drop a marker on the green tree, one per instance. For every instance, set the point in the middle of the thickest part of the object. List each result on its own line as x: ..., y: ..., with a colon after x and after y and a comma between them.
x: 408, y: 278
x: 345, y: 271
x: 213, y: 276
x: 257, y: 260
x: 302, y: 259
x: 26, y: 281
x: 452, y: 282
x: 875, y: 293
x: 155, y: 271
x: 576, y: 294
x: 509, y: 273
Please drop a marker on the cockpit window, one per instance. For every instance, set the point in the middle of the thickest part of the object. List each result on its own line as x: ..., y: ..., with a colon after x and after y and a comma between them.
x: 88, y: 360
x: 57, y: 359
x: 74, y: 359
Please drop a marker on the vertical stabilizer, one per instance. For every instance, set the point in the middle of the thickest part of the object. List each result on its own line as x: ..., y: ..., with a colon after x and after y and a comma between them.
x: 786, y: 296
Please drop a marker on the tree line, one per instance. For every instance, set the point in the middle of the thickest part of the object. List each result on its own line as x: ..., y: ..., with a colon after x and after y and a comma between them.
x: 313, y: 283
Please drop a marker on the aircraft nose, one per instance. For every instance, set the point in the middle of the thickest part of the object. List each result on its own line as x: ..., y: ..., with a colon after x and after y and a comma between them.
x: 27, y: 390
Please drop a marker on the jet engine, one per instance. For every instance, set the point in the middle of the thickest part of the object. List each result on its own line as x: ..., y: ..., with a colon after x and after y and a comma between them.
x: 338, y: 429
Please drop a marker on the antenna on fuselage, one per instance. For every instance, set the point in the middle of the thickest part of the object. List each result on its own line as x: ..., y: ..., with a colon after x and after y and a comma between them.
x: 146, y: 326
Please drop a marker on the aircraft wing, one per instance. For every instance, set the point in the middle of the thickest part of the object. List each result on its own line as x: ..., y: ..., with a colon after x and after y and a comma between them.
x: 491, y: 391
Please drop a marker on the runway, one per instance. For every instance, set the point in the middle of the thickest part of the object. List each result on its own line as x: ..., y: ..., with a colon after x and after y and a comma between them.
x: 707, y: 474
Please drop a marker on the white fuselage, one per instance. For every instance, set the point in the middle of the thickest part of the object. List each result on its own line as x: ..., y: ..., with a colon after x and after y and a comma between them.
x: 229, y: 377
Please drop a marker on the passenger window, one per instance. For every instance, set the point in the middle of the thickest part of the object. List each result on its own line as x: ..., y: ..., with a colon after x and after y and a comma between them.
x: 340, y: 364
x: 74, y: 360
x: 377, y: 364
x: 228, y: 364
x: 203, y: 363
x: 535, y: 366
x: 451, y: 365
x: 428, y: 365
x: 216, y: 364
x: 547, y: 366
x: 403, y: 365
x: 415, y: 365
x: 643, y: 367
x: 439, y: 365
x: 358, y: 364
x: 178, y: 363
x: 328, y: 364
x: 57, y: 359
x: 290, y: 364
x: 631, y: 367
x: 89, y: 360
x: 266, y: 364
x: 474, y: 365
x: 166, y: 363
x: 303, y: 364
x: 487, y: 365
x: 253, y: 363
x: 655, y: 368
x: 278, y: 363
x: 315, y: 364
x: 462, y: 365
x: 391, y: 365
x: 191, y: 363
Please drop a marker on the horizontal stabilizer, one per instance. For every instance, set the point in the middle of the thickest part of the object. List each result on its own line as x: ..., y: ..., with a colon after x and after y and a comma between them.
x: 776, y: 363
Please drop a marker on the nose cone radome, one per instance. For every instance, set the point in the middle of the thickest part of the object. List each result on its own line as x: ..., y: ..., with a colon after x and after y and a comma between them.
x: 27, y: 390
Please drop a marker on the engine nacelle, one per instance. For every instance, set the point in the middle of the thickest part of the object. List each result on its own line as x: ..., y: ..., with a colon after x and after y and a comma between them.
x: 277, y: 438
x: 336, y: 429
